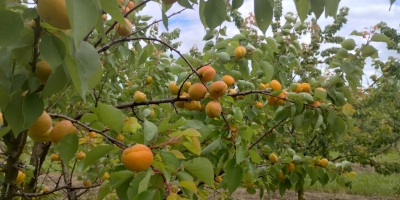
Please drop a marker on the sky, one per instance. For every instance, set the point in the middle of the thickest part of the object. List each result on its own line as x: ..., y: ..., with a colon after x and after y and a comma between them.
x: 363, y: 13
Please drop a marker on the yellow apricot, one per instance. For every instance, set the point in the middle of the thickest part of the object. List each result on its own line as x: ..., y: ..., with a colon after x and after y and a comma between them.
x: 43, y: 71
x: 217, y: 89
x: 54, y: 12
x: 197, y: 91
x: 290, y: 167
x: 173, y: 88
x: 186, y: 86
x: 122, y: 30
x: 106, y: 176
x: 272, y: 100
x: 207, y: 73
x: 229, y: 80
x: 139, y: 97
x: 87, y: 183
x: 273, y: 158
x: 149, y: 80
x: 306, y: 87
x: 232, y: 91
x: 45, y: 189
x: 262, y: 86
x: 91, y: 134
x: 240, y: 52
x: 275, y: 85
x: 323, y: 162
x: 190, y: 105
x: 80, y: 156
x: 213, y: 109
x: 20, y: 177
x: 281, y: 176
x: 42, y: 124
x: 62, y: 129
x: 45, y: 137
x: 316, y: 103
x: 137, y: 158
x: 259, y: 104
x: 299, y: 88
x: 55, y: 157
x: 104, y: 17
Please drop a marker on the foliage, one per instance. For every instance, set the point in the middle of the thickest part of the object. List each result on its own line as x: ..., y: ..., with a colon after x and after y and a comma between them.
x: 95, y: 73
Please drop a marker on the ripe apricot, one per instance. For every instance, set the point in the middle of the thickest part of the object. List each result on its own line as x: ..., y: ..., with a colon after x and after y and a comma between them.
x: 45, y: 189
x: 43, y: 71
x: 42, y: 124
x: 323, y: 162
x: 87, y: 183
x: 55, y: 157
x: 80, y: 156
x: 282, y: 95
x: 316, y: 103
x: 267, y: 85
x: 229, y: 80
x: 316, y: 161
x: 45, y: 137
x: 197, y: 91
x: 306, y: 87
x: 130, y: 5
x: 139, y: 97
x: 232, y: 91
x: 234, y: 135
x: 299, y: 88
x: 213, y: 109
x: 149, y: 80
x: 120, y: 137
x: 217, y: 89
x: 250, y: 184
x: 259, y: 104
x: 240, y: 52
x: 290, y: 167
x: 62, y: 129
x: 190, y: 105
x: 207, y: 73
x: 275, y: 85
x: 1, y: 118
x: 181, y: 104
x: 320, y: 88
x: 262, y: 86
x: 169, y: 2
x: 186, y: 86
x: 20, y: 177
x: 54, y: 12
x: 218, y: 179
x: 137, y: 157
x: 281, y: 176
x: 122, y: 30
x: 173, y: 88
x: 272, y: 100
x: 106, y: 176
x: 152, y: 113
x: 273, y: 158
x: 91, y: 134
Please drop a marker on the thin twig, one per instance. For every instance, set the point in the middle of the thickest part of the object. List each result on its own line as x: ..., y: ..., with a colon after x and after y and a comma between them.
x: 265, y: 134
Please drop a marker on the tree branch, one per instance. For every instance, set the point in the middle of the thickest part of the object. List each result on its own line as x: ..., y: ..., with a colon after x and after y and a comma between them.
x: 265, y: 134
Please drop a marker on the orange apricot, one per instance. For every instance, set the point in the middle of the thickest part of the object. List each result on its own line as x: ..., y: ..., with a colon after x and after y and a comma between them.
x: 62, y: 129
x: 137, y: 157
x: 207, y: 73
x: 122, y: 30
x: 275, y: 85
x: 213, y: 109
x: 240, y: 52
x: 217, y: 89
x: 197, y: 91
x: 229, y: 80
x: 306, y: 87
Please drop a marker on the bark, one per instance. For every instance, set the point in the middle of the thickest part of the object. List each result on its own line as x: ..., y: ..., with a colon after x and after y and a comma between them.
x: 15, y: 146
x: 300, y: 194
x: 39, y: 153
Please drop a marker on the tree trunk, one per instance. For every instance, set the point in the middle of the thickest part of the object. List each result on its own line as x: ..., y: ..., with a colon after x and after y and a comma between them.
x: 39, y: 153
x: 71, y: 193
x: 15, y: 146
x: 301, y: 193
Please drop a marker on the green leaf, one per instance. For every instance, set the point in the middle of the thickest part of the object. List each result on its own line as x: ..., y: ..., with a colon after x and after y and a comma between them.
x: 234, y: 175
x: 83, y: 16
x: 244, y: 68
x: 118, y: 178
x: 146, y: 195
x: 68, y: 147
x: 214, y: 13
x: 165, y: 20
x: 294, y: 177
x: 380, y: 38
x: 110, y: 116
x: 320, y: 94
x: 254, y: 156
x: 391, y: 3
x: 111, y: 7
x: 263, y: 11
x: 56, y: 82
x: 165, y: 125
x: 89, y: 117
x: 223, y: 57
x: 211, y: 146
x: 332, y: 116
x: 4, y: 131
x: 53, y: 50
x: 131, y: 125
x: 340, y: 126
x: 268, y: 70
x: 11, y: 26
x: 241, y: 153
x: 331, y: 8
x: 189, y: 185
x: 202, y: 7
x: 299, y: 105
x: 281, y: 115
x: 185, y: 4
x: 202, y: 168
x: 105, y: 189
x: 318, y: 122
x: 312, y: 173
x: 347, y: 67
x: 236, y: 4
x: 317, y: 7
x: 150, y: 130
x: 96, y: 153
x: 368, y: 51
x: 302, y: 7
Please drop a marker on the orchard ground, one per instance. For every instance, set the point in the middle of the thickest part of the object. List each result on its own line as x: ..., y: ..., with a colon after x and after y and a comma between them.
x: 366, y: 185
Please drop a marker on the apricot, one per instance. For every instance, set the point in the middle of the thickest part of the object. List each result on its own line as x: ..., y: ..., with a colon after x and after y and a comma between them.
x: 217, y: 89
x: 207, y: 73
x: 41, y: 125
x: 290, y: 167
x: 281, y: 176
x: 306, y: 87
x: 213, y: 109
x: 130, y: 5
x: 122, y: 30
x: 316, y: 161
x: 121, y: 1
x: 240, y: 52
x: 152, y: 113
x: 273, y: 158
x: 173, y: 88
x: 262, y: 86
x: 282, y: 95
x: 20, y: 177
x: 232, y: 91
x: 190, y: 105
x: 149, y: 80
x: 55, y: 157
x: 234, y: 135
x: 250, y: 184
x: 169, y: 2
x: 320, y: 88
x: 181, y: 104
x: 91, y: 134
x: 316, y: 103
x: 87, y: 183
x: 137, y: 157
x: 186, y: 86
x: 267, y: 85
x: 80, y: 156
x: 259, y: 104
x: 120, y: 137
x: 323, y: 162
x: 104, y: 17
x: 106, y: 176
x: 139, y: 97
x: 54, y: 12
x: 45, y: 137
x: 275, y: 85
x: 229, y: 80
x: 62, y: 129
x: 299, y: 88
x: 43, y: 71
x: 197, y: 91
x: 1, y: 118
x: 272, y: 100
x: 218, y: 179
x: 45, y: 189
x: 82, y: 141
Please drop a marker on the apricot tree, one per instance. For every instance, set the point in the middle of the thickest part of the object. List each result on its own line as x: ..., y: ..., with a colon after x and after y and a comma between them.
x: 113, y: 104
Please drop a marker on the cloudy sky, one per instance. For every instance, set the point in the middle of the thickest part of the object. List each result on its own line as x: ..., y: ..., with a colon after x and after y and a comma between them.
x: 365, y: 13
